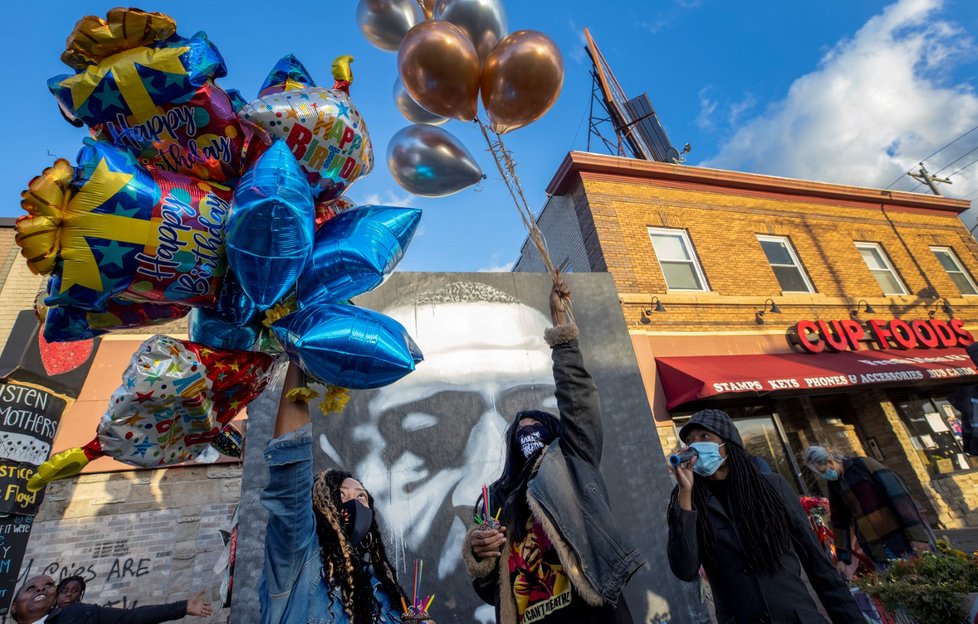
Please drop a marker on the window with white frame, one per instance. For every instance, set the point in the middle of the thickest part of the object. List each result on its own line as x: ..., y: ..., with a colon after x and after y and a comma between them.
x: 955, y: 270
x: 677, y: 259
x: 785, y: 264
x: 882, y: 269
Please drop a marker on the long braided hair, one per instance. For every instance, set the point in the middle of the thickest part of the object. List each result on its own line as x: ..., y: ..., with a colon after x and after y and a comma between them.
x: 509, y: 490
x: 342, y: 566
x: 760, y: 514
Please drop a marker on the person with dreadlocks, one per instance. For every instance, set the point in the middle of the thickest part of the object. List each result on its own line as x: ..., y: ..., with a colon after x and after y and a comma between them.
x: 325, y: 560
x: 749, y: 532
x: 557, y: 556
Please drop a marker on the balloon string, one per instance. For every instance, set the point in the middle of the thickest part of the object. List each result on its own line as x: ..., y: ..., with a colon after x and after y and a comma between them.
x: 507, y: 168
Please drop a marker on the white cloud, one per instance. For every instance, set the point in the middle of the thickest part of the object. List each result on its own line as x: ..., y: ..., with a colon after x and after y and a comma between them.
x: 388, y: 198
x: 496, y: 267
x: 578, y: 53
x: 874, y: 107
x: 706, y: 120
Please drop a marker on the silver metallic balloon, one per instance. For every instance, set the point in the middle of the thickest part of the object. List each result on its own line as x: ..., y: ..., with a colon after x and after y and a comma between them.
x: 385, y: 22
x: 428, y: 161
x: 484, y: 21
x: 411, y: 110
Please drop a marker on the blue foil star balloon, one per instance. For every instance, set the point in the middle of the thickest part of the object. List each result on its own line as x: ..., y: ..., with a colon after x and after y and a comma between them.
x: 210, y: 328
x: 348, y: 346
x: 269, y: 233
x: 355, y: 251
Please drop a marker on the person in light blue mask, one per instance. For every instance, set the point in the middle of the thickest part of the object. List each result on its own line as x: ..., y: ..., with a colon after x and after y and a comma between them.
x: 748, y: 531
x: 868, y: 497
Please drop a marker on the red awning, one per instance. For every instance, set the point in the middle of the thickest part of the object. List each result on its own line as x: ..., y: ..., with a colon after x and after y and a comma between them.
x: 690, y: 378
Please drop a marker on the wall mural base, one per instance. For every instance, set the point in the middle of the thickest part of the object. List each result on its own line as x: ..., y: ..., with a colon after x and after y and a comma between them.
x: 425, y: 445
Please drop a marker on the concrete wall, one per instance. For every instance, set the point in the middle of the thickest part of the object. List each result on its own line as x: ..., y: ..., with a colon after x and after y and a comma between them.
x: 425, y: 445
x: 138, y: 537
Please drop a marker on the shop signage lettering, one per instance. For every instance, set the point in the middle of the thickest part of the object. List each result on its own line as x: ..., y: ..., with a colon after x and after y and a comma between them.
x: 849, y: 335
x: 29, y: 419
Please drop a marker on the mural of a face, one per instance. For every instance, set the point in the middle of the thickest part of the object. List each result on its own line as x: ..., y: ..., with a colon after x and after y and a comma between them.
x: 425, y: 445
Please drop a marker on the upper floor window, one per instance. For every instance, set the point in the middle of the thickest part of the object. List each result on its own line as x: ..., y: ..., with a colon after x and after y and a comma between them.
x: 677, y: 259
x: 881, y: 268
x: 787, y: 268
x: 955, y: 270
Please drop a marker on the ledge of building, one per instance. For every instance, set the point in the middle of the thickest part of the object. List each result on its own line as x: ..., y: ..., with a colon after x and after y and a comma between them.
x: 576, y: 163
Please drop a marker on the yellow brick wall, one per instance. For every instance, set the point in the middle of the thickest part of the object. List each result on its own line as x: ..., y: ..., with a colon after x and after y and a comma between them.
x: 18, y: 286
x: 723, y: 229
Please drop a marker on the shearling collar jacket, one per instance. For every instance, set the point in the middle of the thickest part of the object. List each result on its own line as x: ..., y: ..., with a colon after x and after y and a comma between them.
x: 568, y: 497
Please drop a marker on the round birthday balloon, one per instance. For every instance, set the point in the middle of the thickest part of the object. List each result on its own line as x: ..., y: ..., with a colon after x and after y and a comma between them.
x: 175, y: 398
x: 324, y: 131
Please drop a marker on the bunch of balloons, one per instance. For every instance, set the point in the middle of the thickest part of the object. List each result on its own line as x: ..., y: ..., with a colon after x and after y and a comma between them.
x: 448, y: 53
x: 188, y: 199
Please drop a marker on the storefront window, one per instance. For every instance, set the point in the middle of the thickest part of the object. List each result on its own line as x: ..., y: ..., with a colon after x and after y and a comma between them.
x: 763, y: 437
x: 934, y: 427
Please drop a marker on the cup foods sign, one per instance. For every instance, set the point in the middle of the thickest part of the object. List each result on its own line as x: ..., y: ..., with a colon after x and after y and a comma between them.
x: 849, y: 335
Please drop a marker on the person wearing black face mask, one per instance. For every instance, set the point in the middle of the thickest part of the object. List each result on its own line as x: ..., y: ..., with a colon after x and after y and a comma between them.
x: 325, y: 560
x: 557, y: 556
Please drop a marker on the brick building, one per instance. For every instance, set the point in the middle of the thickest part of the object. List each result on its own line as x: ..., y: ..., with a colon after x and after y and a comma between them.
x: 137, y: 536
x: 813, y: 313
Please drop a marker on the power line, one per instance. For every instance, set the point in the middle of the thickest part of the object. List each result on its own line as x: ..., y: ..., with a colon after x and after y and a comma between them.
x: 974, y: 149
x: 939, y: 150
x: 965, y: 167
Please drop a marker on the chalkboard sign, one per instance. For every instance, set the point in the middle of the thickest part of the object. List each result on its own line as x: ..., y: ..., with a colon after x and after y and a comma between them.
x: 14, y: 532
x: 29, y: 418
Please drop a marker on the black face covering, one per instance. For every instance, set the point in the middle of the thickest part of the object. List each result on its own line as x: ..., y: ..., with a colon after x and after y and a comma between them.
x: 533, y: 438
x: 358, y: 518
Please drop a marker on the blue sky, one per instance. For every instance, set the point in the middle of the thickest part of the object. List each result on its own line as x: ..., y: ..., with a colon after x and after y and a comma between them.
x: 844, y: 91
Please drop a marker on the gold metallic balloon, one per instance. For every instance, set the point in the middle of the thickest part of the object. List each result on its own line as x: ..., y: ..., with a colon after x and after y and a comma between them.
x: 521, y: 79
x: 440, y: 69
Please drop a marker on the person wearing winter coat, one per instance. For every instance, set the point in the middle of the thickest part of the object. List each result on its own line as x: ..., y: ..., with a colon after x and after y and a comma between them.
x: 325, y: 560
x: 35, y: 602
x: 867, y: 496
x: 748, y: 531
x: 557, y: 556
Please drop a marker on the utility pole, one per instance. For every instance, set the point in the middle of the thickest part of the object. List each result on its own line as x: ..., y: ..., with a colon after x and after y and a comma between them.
x: 926, y: 178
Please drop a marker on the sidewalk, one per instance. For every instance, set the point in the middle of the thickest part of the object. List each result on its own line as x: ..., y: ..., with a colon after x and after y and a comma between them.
x: 962, y: 539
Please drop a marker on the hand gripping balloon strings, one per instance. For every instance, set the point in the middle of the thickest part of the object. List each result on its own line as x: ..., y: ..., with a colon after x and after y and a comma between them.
x: 507, y: 168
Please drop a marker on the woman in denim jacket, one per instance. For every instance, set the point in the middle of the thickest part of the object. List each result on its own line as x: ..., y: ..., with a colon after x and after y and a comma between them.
x: 325, y: 561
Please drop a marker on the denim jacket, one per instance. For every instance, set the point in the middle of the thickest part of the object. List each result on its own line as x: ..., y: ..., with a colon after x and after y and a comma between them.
x: 292, y: 589
x: 568, y: 496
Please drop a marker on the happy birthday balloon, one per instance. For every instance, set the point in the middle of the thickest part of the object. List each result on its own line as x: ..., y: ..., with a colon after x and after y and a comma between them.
x: 68, y: 324
x: 348, y: 346
x: 428, y: 161
x: 440, y: 67
x: 269, y: 234
x: 175, y: 398
x: 411, y: 110
x: 108, y: 228
x: 326, y: 210
x: 355, y: 251
x: 484, y: 21
x: 385, y: 22
x: 521, y: 80
x: 323, y: 129
x: 150, y: 91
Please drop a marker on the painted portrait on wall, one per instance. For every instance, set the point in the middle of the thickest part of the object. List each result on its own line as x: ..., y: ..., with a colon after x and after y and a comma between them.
x: 425, y: 445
